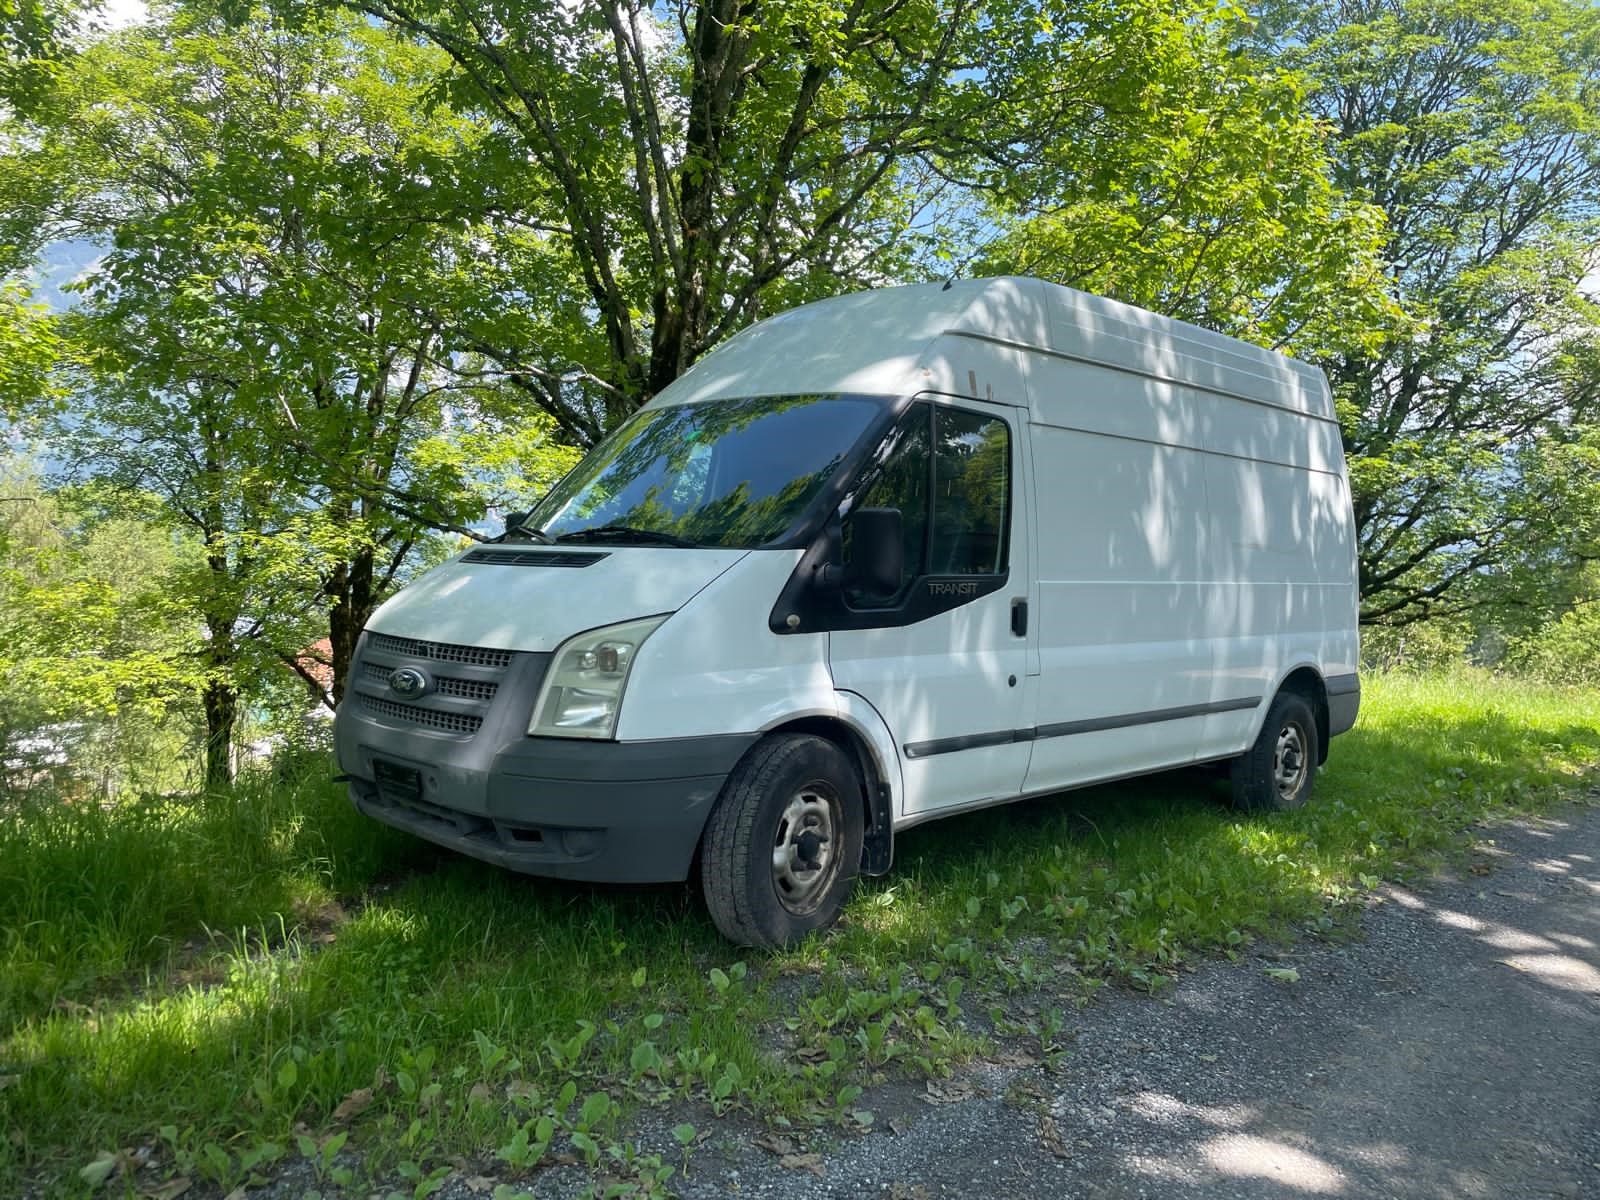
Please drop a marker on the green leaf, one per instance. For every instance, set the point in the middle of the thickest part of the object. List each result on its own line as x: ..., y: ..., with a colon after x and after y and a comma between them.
x: 595, y: 1107
x: 99, y: 1169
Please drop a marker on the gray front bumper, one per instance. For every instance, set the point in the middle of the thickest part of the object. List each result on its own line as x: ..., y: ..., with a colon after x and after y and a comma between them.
x: 617, y: 812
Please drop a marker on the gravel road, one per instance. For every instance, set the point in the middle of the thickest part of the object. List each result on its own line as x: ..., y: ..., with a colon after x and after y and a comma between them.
x: 1451, y: 1051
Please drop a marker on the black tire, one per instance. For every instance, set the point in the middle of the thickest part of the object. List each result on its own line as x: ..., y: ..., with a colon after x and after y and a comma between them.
x: 791, y: 792
x: 1276, y: 774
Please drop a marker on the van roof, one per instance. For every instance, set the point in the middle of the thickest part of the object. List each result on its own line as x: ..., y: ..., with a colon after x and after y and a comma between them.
x: 901, y: 340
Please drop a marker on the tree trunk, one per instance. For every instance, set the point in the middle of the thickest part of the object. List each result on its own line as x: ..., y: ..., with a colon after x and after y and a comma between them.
x: 354, y: 599
x: 221, y: 701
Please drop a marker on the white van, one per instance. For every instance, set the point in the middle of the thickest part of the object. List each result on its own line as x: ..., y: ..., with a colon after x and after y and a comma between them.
x: 876, y: 560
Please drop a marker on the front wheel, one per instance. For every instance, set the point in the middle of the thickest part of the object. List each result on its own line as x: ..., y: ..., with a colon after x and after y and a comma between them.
x: 783, y: 844
x: 1276, y: 773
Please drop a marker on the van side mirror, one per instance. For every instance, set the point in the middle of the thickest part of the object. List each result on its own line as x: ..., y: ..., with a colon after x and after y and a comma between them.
x: 877, y: 552
x: 515, y: 519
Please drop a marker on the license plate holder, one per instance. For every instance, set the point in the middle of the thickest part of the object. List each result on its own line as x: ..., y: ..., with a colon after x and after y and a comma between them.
x: 396, y: 783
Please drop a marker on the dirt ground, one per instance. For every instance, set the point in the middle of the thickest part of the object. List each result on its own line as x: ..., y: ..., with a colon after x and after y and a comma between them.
x: 1451, y: 1051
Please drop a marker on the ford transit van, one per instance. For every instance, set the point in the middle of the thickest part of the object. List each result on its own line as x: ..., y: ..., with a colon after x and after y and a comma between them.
x: 874, y: 561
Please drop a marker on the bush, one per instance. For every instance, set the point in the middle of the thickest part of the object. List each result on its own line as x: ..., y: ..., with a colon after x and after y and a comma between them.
x: 1566, y: 651
x: 1421, y: 646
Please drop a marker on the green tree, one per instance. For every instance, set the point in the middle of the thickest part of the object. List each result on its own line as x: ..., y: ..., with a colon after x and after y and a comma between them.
x: 1476, y: 129
x: 699, y: 163
x: 98, y: 662
x: 1552, y: 572
x: 30, y: 353
x: 276, y: 341
x: 1199, y: 186
x: 34, y: 36
x: 1567, y: 649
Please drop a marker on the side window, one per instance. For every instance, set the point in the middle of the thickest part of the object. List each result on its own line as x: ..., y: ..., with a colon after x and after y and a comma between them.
x: 971, y: 494
x: 902, y: 482
x: 954, y: 509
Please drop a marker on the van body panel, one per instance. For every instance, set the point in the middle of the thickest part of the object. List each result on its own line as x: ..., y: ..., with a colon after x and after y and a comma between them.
x: 1121, y: 339
x: 720, y: 669
x: 509, y: 607
x: 1126, y: 600
x: 949, y: 686
x: 1180, y: 540
x: 891, y: 342
x: 858, y: 713
x: 937, y: 683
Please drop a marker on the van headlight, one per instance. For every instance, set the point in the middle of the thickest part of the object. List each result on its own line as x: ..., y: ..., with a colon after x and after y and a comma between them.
x: 582, y: 690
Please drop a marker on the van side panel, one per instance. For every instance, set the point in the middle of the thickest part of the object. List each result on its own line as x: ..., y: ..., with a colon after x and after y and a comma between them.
x: 1125, y: 596
x: 1104, y: 332
x: 1194, y: 548
x: 1278, y: 536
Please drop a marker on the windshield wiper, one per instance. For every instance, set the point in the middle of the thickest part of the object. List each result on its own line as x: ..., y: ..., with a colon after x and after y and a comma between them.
x: 527, y: 531
x: 623, y: 532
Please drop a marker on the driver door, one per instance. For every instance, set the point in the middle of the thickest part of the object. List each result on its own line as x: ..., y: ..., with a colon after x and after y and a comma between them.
x: 944, y: 656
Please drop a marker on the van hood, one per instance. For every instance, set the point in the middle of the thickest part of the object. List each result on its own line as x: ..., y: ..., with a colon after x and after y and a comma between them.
x: 531, y: 597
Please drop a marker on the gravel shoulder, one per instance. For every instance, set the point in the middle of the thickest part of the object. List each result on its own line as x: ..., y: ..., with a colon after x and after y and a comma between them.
x: 1451, y: 1051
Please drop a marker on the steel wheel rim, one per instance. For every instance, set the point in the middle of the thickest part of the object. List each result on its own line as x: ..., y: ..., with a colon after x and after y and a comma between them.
x: 805, y: 859
x: 1289, y: 765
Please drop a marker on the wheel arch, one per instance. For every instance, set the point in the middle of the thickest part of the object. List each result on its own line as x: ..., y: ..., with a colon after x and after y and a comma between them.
x: 877, y: 794
x: 1306, y: 680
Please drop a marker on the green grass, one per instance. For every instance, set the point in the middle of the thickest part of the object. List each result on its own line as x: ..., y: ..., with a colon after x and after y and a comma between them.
x: 213, y: 978
x: 96, y: 900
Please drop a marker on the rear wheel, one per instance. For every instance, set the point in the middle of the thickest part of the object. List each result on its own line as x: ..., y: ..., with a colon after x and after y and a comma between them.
x: 1276, y: 773
x: 783, y: 844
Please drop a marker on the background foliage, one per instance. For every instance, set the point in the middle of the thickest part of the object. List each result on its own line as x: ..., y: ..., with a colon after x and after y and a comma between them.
x: 348, y: 282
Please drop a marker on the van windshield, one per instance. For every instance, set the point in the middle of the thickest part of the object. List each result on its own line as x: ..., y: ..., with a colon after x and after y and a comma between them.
x: 734, y: 473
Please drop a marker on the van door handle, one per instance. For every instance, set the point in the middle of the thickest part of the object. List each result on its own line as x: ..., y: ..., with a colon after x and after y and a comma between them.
x: 1019, y: 617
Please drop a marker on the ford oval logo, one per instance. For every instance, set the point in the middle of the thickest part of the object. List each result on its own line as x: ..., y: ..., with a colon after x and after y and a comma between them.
x: 408, y: 682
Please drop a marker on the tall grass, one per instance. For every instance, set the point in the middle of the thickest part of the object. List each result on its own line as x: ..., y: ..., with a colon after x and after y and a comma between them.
x: 97, y: 898
x: 441, y: 988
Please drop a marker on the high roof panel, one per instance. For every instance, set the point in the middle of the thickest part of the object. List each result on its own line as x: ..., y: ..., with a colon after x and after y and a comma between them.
x: 877, y: 342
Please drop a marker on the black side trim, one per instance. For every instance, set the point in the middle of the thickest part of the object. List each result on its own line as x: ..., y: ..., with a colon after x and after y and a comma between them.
x: 877, y: 849
x: 1340, y: 685
x: 967, y: 741
x: 1000, y: 737
x: 534, y: 558
x: 1096, y: 724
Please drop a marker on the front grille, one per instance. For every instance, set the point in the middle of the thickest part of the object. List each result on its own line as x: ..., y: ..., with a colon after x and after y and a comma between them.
x: 458, y: 703
x: 475, y: 656
x: 467, y: 689
x: 534, y: 558
x: 445, y: 685
x: 430, y: 718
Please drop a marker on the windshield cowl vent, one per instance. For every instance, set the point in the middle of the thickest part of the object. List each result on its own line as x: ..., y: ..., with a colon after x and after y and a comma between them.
x: 535, y: 558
